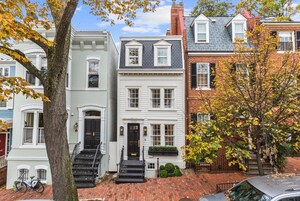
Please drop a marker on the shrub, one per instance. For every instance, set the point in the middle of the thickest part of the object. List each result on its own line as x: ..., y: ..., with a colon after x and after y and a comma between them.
x: 163, y: 174
x: 169, y: 167
x: 162, y: 167
x: 176, y: 167
x: 171, y: 174
x: 162, y: 148
x: 177, y: 172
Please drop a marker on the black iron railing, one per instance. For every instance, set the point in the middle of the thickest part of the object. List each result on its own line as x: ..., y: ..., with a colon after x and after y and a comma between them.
x: 157, y: 167
x: 97, y: 154
x: 121, y: 159
x: 75, y: 151
x: 144, y: 163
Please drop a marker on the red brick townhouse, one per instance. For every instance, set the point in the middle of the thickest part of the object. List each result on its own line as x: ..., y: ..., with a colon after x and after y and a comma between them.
x: 208, y: 40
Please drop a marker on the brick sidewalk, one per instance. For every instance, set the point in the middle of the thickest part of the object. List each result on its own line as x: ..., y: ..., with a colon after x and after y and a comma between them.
x: 163, y: 189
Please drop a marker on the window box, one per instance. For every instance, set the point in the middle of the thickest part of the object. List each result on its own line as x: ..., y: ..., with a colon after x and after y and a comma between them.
x: 163, y: 151
x: 202, y: 167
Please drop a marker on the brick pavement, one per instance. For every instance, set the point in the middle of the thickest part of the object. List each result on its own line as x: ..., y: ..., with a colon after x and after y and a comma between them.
x: 162, y: 189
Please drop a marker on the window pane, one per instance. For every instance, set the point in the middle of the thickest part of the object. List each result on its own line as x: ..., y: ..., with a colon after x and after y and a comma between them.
x: 29, y: 119
x: 133, y: 98
x: 44, y: 63
x: 239, y: 35
x: 42, y: 174
x: 201, y: 37
x: 6, y: 72
x: 162, y: 60
x: 203, y: 75
x: 93, y: 81
x: 156, y: 134
x: 134, y: 52
x: 94, y: 67
x: 134, y: 60
x: 3, y: 104
x: 203, y: 117
x: 169, y: 98
x: 169, y: 135
x: 41, y: 137
x: 201, y: 27
x: 23, y: 173
x: 92, y: 113
x: 30, y: 78
x: 239, y: 27
x: 162, y: 51
x: 155, y: 98
x: 28, y: 127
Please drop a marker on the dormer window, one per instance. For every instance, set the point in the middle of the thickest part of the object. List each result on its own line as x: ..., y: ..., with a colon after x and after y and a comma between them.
x: 239, y: 30
x: 202, y: 32
x: 134, y: 51
x: 162, y: 53
x: 201, y: 28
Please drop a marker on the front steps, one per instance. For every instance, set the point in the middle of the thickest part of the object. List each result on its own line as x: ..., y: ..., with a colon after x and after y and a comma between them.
x: 82, y: 169
x: 253, y: 166
x: 131, y: 171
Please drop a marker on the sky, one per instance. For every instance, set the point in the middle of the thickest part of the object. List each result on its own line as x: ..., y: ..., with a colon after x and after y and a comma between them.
x: 145, y: 24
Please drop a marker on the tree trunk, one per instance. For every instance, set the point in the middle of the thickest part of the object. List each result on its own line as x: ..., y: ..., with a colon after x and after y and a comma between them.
x: 259, y: 162
x: 55, y: 118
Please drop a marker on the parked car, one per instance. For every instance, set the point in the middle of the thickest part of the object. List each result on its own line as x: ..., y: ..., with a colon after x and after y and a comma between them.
x: 263, y: 188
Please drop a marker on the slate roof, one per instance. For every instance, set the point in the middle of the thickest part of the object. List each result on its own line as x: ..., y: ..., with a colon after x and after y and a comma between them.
x: 220, y: 39
x: 148, y: 54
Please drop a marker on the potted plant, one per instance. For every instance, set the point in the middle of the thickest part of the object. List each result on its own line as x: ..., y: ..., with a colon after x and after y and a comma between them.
x: 163, y: 150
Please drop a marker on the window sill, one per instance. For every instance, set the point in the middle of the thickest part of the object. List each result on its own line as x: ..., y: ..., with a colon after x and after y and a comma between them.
x: 163, y: 109
x: 133, y: 109
x: 203, y: 89
x: 30, y: 146
x: 92, y: 89
x: 282, y: 52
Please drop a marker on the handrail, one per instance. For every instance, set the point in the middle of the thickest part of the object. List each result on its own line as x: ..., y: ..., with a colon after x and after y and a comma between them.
x: 143, y: 152
x: 122, y: 156
x: 75, y: 151
x: 95, y: 157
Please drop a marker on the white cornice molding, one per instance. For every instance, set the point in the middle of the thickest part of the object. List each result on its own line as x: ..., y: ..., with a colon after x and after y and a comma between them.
x: 175, y: 37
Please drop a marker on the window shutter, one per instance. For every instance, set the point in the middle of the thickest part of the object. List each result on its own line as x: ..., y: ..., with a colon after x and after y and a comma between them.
x: 273, y: 33
x: 212, y: 73
x: 297, y: 41
x: 194, y: 75
x: 194, y: 118
x: 233, y: 68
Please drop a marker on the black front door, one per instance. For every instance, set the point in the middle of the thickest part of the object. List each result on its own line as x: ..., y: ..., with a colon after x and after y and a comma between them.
x: 91, y: 133
x: 133, y: 141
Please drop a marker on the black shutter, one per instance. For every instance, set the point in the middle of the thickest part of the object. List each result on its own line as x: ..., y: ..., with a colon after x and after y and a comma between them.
x: 274, y: 34
x: 212, y: 68
x: 194, y: 75
x: 232, y: 68
x: 213, y: 117
x: 194, y: 118
x: 297, y: 40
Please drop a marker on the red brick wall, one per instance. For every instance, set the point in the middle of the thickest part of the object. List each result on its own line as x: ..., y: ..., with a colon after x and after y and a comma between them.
x: 3, y: 173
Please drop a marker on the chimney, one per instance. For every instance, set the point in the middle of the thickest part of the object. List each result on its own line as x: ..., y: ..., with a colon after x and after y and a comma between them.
x: 177, y: 11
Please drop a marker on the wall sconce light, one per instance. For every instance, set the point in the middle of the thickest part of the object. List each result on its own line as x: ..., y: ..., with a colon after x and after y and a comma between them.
x: 121, y: 130
x: 145, y: 130
x: 75, y: 127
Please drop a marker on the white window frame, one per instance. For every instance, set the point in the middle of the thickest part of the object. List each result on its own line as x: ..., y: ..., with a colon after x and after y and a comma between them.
x: 162, y: 98
x: 205, y: 22
x: 38, y: 56
x: 35, y: 128
x: 204, y: 119
x: 2, y: 70
x: 88, y: 60
x: 41, y: 167
x: 159, y: 135
x: 208, y: 87
x: 162, y: 44
x: 285, y: 33
x: 137, y: 45
x: 162, y: 134
x: 128, y: 98
x: 234, y: 32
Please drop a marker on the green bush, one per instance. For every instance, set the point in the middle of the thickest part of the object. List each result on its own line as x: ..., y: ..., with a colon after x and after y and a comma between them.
x: 177, y: 172
x: 162, y: 148
x: 163, y: 174
x: 162, y: 167
x: 170, y: 167
x: 171, y: 174
x: 176, y: 167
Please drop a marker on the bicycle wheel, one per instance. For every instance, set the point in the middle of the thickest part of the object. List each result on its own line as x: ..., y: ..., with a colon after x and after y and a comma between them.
x: 39, y: 187
x: 21, y: 187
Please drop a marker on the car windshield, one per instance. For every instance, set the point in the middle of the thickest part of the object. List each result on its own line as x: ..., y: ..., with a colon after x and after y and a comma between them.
x: 246, y: 192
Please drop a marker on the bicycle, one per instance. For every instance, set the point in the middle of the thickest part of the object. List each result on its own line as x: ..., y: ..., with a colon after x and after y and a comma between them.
x: 22, y: 185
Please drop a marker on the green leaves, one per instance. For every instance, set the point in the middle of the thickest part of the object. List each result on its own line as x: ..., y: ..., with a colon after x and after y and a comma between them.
x: 212, y: 8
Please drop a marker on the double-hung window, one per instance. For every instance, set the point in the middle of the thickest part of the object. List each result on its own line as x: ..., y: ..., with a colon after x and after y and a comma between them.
x: 202, y: 32
x: 202, y: 117
x: 203, y: 75
x: 3, y: 104
x: 162, y: 56
x: 163, y: 134
x: 133, y: 52
x: 40, y: 61
x: 133, y: 98
x: 23, y: 173
x: 155, y: 98
x: 93, y: 73
x: 33, y: 130
x: 162, y: 53
x: 285, y: 41
x: 239, y: 30
x: 41, y: 174
x: 133, y: 56
x: 162, y: 98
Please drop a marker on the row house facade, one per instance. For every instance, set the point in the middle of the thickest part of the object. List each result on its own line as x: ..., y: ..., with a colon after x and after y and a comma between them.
x: 208, y: 41
x: 7, y: 69
x: 151, y: 100
x: 91, y: 105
